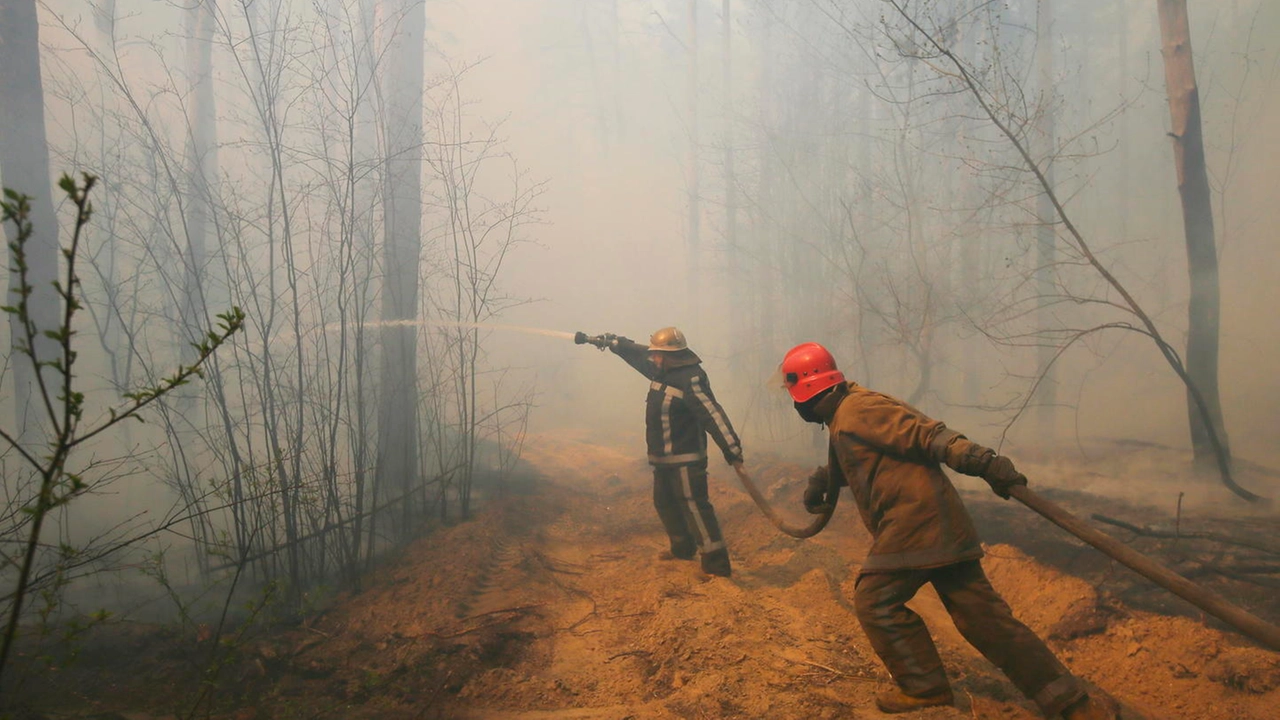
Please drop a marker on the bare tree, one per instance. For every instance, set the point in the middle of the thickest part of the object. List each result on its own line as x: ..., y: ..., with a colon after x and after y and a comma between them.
x: 57, y: 482
x: 273, y: 468
x: 24, y: 162
x: 201, y: 160
x: 1046, y: 228
x: 486, y: 202
x: 403, y: 88
x: 694, y: 167
x: 737, y: 290
x: 1006, y: 118
x: 1208, y: 434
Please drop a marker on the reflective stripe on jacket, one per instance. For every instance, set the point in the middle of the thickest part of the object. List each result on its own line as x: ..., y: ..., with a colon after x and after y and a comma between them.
x: 680, y: 411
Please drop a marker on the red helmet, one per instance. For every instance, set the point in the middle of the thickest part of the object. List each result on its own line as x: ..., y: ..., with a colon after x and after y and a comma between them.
x: 808, y: 369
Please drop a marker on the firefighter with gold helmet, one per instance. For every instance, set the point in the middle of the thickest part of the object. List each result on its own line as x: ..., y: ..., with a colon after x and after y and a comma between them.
x: 680, y: 412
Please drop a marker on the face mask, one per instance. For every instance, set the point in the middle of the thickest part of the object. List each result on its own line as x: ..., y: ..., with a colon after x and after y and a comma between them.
x: 806, y: 412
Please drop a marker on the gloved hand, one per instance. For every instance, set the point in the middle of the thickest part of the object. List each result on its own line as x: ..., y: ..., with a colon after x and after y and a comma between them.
x: 815, y: 495
x: 973, y: 459
x: 1001, y: 475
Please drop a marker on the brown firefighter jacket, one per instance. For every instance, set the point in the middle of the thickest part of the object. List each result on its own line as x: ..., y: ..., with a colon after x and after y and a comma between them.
x: 888, y: 453
x: 680, y: 410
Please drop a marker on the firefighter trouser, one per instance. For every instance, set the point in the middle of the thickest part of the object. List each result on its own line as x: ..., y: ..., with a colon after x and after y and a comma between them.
x: 902, y: 641
x: 680, y: 497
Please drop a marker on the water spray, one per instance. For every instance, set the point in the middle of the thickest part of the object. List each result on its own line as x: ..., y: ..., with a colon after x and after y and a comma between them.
x: 601, y: 342
x: 468, y: 325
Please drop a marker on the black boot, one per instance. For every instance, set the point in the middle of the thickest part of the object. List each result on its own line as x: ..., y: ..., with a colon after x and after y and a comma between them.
x: 669, y: 555
x: 716, y: 562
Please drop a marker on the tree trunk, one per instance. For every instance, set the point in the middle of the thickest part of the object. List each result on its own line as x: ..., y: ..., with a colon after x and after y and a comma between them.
x: 1122, y: 35
x: 24, y: 167
x: 737, y: 328
x: 1046, y: 230
x: 695, y: 213
x: 397, y: 466
x: 1197, y: 217
x: 202, y: 164
x: 615, y: 92
x: 974, y: 249
x: 866, y: 336
x: 763, y: 303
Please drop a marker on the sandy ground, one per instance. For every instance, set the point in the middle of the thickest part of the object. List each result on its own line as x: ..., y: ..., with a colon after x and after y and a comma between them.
x: 553, y: 604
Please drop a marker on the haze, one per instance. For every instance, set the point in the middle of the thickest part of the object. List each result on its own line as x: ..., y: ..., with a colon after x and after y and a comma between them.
x: 809, y: 170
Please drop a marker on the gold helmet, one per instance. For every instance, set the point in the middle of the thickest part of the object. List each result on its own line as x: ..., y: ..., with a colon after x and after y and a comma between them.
x: 668, y: 339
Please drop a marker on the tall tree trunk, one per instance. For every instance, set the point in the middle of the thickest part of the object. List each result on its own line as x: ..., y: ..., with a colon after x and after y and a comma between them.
x: 763, y: 303
x: 615, y: 92
x: 695, y: 213
x: 397, y: 466
x: 1046, y: 230
x: 973, y: 249
x: 737, y: 328
x: 1197, y: 217
x: 24, y: 167
x: 1122, y: 35
x: 104, y: 16
x: 202, y: 164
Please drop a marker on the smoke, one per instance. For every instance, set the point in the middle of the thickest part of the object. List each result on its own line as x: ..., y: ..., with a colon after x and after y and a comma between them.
x: 881, y: 224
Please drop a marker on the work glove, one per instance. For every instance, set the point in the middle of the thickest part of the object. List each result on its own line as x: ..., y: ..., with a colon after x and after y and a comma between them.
x: 972, y: 458
x: 1001, y: 475
x: 815, y: 495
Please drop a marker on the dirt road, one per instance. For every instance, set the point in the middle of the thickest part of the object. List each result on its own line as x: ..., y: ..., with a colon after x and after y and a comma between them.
x: 554, y: 605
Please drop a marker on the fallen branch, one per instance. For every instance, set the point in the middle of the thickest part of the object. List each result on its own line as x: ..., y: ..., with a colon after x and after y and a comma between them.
x: 516, y: 609
x: 833, y: 671
x: 1246, y: 578
x: 520, y: 610
x: 625, y: 654
x: 558, y: 566
x: 1214, y: 537
x: 1242, y: 572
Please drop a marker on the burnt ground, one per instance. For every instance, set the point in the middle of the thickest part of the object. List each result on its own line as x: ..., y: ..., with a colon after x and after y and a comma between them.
x: 552, y: 604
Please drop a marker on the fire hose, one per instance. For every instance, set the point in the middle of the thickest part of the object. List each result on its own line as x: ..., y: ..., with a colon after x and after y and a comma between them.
x: 1212, y: 603
x: 1207, y: 600
x: 813, y: 528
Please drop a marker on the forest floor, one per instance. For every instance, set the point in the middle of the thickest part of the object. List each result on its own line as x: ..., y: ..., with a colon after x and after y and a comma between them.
x: 552, y: 604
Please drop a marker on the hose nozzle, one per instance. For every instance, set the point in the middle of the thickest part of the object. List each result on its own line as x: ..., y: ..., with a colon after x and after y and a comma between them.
x: 601, y: 341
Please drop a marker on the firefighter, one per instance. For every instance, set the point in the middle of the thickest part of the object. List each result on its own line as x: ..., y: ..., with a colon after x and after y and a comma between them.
x: 889, y: 455
x: 680, y: 411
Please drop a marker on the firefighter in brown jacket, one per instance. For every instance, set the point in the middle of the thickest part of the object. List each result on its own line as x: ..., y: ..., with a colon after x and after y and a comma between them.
x: 680, y: 412
x: 889, y: 455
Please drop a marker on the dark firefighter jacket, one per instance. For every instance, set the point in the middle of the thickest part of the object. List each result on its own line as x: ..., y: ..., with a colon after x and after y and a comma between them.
x: 680, y: 411
x: 888, y: 453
